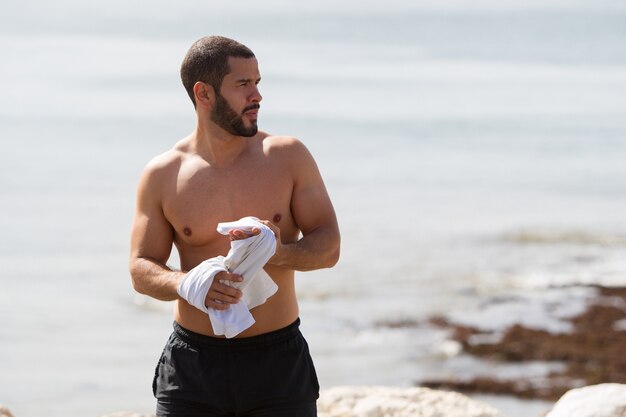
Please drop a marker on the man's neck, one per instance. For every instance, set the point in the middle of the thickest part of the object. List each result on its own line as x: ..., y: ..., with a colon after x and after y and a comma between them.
x: 217, y: 146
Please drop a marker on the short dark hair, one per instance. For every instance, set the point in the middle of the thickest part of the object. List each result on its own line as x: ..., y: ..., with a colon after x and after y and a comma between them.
x: 207, y: 61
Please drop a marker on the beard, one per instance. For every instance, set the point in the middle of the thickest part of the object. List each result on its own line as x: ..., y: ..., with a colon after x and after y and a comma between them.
x: 225, y: 117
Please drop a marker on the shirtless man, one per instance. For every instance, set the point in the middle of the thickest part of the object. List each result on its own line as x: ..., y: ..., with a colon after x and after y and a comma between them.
x: 225, y: 170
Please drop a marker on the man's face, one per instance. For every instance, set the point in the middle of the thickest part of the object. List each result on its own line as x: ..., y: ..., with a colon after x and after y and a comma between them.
x: 237, y: 103
x: 228, y: 119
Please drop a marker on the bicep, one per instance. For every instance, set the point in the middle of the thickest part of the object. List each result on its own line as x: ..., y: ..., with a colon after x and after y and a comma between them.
x: 151, y: 233
x: 310, y: 204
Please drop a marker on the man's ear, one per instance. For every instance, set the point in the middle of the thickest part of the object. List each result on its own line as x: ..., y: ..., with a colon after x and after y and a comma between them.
x: 204, y: 94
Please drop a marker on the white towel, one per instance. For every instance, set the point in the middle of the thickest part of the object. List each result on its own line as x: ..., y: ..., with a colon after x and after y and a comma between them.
x: 246, y: 258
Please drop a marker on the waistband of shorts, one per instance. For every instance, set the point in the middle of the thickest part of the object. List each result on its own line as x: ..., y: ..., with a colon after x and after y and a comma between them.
x: 264, y: 339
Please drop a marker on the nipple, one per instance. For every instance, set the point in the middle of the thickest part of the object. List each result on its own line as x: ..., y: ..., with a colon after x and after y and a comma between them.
x: 187, y: 231
x: 277, y: 218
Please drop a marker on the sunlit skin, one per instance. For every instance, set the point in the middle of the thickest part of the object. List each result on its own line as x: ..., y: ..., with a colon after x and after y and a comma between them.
x: 214, y: 176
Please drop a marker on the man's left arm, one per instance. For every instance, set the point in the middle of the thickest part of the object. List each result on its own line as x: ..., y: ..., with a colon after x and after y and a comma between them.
x: 314, y: 214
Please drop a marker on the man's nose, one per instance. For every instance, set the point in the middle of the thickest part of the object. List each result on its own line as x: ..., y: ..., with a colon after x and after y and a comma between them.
x: 256, y: 96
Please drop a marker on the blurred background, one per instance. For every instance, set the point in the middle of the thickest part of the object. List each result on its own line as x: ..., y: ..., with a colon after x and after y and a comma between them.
x: 472, y: 149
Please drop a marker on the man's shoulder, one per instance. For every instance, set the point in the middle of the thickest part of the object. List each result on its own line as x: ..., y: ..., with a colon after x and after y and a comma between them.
x: 282, y: 143
x: 290, y: 153
x: 164, y: 164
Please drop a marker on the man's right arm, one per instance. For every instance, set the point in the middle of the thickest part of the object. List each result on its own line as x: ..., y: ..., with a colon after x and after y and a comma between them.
x: 151, y: 240
x: 151, y: 243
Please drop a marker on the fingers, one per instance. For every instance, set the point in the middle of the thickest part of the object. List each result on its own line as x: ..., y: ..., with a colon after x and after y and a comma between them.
x: 238, y: 234
x: 272, y: 227
x: 221, y: 295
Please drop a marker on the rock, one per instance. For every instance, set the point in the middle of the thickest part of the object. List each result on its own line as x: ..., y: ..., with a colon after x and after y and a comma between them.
x: 603, y: 400
x: 4, y: 412
x: 372, y: 401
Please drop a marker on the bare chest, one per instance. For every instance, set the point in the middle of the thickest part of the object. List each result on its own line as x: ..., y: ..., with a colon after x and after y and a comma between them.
x: 200, y: 198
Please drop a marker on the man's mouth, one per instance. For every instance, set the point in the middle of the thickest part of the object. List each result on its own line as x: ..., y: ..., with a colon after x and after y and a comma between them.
x: 252, y: 110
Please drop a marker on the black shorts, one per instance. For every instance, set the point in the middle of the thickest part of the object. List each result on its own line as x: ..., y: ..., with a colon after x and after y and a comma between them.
x: 270, y: 375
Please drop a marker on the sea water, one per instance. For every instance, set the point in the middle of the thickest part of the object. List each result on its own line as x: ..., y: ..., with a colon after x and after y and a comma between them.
x: 472, y: 152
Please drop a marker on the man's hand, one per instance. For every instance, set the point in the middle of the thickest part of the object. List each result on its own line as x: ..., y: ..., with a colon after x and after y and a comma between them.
x: 221, y: 295
x: 279, y: 243
x: 239, y: 234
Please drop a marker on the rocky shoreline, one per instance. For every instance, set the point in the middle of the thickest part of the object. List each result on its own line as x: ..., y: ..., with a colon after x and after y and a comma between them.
x: 604, y: 400
x: 592, y: 353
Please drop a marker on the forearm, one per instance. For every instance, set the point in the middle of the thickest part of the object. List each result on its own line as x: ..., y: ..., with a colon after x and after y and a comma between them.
x: 155, y: 279
x: 316, y: 250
